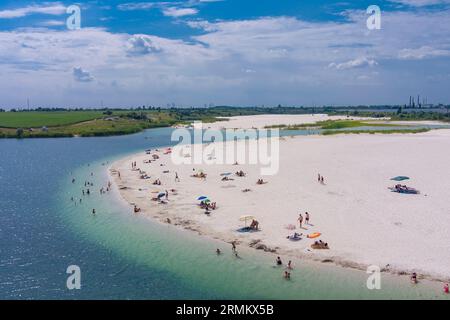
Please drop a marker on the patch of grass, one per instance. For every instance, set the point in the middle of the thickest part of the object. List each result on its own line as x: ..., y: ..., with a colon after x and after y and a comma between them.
x: 330, y: 125
x: 333, y: 132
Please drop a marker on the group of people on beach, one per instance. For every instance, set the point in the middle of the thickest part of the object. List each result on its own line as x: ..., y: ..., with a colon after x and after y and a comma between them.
x: 260, y: 181
x: 320, y: 179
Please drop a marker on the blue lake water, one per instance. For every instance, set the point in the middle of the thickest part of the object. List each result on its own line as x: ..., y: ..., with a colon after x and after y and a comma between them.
x: 123, y: 256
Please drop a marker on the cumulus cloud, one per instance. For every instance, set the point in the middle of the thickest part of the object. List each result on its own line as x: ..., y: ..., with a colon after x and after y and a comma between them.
x: 56, y: 8
x: 142, y: 45
x: 81, y: 75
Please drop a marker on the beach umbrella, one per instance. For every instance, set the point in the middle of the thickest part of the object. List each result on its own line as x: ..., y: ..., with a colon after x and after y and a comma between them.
x: 400, y: 178
x: 161, y: 194
x: 202, y: 198
x: 246, y: 218
x: 226, y: 174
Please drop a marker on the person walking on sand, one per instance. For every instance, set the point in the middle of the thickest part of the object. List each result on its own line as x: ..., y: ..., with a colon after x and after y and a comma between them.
x: 177, y: 179
x: 300, y: 220
x: 446, y: 288
x: 307, y: 218
x: 318, y: 177
x: 167, y: 195
x: 233, y: 246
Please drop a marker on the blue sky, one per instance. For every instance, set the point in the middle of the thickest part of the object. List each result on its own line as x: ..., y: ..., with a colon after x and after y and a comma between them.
x: 234, y: 52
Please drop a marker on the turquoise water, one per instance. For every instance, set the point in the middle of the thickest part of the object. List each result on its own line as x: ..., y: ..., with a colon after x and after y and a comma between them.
x: 123, y: 256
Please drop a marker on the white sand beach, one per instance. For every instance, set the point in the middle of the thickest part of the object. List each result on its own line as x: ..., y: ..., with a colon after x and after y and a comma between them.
x: 261, y: 121
x: 363, y: 222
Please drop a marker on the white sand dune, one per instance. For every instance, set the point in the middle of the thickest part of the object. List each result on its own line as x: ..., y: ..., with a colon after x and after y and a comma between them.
x: 363, y: 222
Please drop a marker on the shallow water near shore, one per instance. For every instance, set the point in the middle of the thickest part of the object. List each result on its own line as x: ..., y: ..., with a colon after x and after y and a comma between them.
x: 124, y: 256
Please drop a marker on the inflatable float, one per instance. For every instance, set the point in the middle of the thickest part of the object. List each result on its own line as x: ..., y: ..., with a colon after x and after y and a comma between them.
x: 314, y: 235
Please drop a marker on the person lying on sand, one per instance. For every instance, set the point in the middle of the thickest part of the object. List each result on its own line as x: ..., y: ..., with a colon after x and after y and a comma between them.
x: 261, y: 181
x: 295, y: 237
x: 246, y: 190
x: 240, y: 173
x: 320, y: 245
x: 199, y: 175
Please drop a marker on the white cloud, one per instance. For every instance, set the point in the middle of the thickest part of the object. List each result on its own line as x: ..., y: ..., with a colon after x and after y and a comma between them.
x: 290, y: 56
x: 131, y: 6
x: 48, y: 8
x: 355, y: 63
x: 179, y: 12
x: 423, y: 53
x: 142, y: 45
x: 421, y: 3
x: 52, y: 23
x: 81, y: 75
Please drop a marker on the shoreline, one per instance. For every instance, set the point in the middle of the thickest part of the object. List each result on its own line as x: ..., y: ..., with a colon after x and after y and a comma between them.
x: 192, y: 227
x: 183, y: 214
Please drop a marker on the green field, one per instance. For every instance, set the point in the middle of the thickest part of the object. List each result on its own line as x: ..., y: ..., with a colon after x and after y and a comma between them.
x: 49, y: 119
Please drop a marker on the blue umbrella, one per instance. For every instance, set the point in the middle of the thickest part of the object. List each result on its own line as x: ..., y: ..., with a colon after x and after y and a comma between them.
x: 202, y: 198
x: 162, y: 194
x: 226, y: 174
x: 400, y: 178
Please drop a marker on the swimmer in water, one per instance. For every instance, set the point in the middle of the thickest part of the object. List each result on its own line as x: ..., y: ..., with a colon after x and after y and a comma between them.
x: 279, y: 262
x: 289, y: 265
x: 414, y: 278
x: 93, y: 212
x: 218, y: 251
